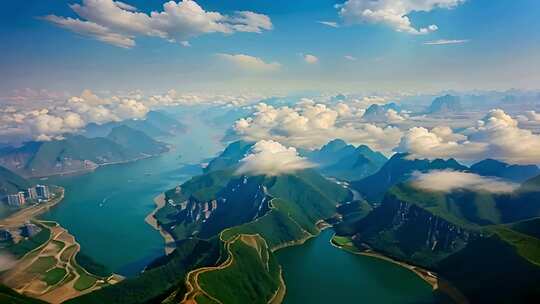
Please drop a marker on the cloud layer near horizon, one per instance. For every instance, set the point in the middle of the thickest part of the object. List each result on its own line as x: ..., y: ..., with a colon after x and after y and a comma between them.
x: 44, y: 116
x: 497, y: 136
x: 271, y: 158
x: 448, y: 181
x: 310, y: 125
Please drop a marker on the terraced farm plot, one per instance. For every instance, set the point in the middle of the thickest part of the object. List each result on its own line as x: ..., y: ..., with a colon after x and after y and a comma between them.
x: 54, y: 276
x: 84, y: 282
x: 50, y: 272
x: 42, y: 264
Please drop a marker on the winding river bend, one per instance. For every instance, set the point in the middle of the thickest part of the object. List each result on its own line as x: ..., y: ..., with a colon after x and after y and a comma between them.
x: 318, y: 272
x: 105, y: 210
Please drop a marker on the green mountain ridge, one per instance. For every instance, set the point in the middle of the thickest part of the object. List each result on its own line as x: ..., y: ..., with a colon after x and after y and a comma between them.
x: 77, y: 153
x: 448, y: 233
x: 10, y: 182
x: 396, y: 170
x: 340, y: 160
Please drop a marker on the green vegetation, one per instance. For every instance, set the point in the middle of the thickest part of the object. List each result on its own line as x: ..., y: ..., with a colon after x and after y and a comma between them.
x: 54, y: 276
x: 42, y: 264
x: 530, y: 227
x: 9, y: 296
x: 252, y: 277
x: 275, y: 227
x: 397, y: 170
x: 10, y: 182
x: 345, y: 243
x: 52, y: 157
x: 49, y: 224
x: 67, y: 253
x: 346, y: 162
x: 27, y: 245
x: 351, y: 213
x: 527, y: 246
x: 91, y: 266
x: 58, y: 244
x: 230, y: 157
x: 300, y: 201
x: 84, y: 281
x: 135, y: 140
x: 489, y: 270
x: 164, y: 276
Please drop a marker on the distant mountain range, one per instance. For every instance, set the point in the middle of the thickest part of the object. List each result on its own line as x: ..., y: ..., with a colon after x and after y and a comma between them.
x: 155, y: 124
x: 77, y: 153
x: 378, y: 112
x: 11, y: 182
x: 346, y: 162
x: 398, y: 169
x: 516, y: 173
x: 445, y: 104
x: 485, y: 244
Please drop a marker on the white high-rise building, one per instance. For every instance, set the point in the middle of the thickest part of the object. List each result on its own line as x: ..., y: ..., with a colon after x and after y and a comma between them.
x: 43, y: 191
x: 32, y: 193
x: 16, y: 200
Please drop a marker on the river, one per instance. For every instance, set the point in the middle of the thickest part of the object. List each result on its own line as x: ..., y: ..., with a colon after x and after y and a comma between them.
x: 318, y: 272
x: 105, y: 209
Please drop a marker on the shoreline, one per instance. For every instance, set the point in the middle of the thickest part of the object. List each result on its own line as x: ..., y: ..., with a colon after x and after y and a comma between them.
x: 90, y: 170
x: 26, y: 214
x: 428, y: 276
x: 22, y: 281
x: 151, y: 220
x: 321, y: 226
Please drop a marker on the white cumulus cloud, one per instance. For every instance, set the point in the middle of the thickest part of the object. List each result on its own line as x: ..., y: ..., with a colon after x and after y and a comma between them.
x: 496, y: 136
x: 271, y: 158
x: 448, y: 181
x: 67, y: 116
x: 119, y: 23
x: 310, y: 125
x: 394, y: 13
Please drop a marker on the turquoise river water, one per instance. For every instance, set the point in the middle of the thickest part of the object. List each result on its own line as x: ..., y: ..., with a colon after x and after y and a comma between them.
x: 105, y: 211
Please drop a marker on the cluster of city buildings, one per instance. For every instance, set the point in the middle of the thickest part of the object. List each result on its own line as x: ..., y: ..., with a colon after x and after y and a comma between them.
x: 38, y: 193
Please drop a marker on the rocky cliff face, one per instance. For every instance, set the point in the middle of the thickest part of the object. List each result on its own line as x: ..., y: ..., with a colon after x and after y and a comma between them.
x: 409, y: 232
x: 243, y: 200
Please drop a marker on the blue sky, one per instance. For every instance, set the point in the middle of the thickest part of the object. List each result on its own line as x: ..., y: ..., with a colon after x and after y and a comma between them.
x: 496, y: 45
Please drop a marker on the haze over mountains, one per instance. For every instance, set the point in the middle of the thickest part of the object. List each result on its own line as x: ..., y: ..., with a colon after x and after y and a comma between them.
x: 123, y: 141
x: 258, y: 196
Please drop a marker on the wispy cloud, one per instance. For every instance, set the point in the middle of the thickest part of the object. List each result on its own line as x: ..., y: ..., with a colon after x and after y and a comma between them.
x: 448, y: 181
x: 329, y: 23
x: 349, y: 57
x: 446, y: 41
x: 250, y: 63
x: 310, y: 59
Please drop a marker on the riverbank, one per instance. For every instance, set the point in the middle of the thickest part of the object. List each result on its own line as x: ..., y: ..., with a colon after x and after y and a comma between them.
x: 92, y: 169
x: 436, y: 282
x: 428, y: 276
x: 152, y: 221
x: 51, y: 272
x: 20, y: 217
